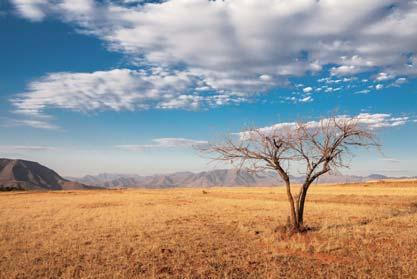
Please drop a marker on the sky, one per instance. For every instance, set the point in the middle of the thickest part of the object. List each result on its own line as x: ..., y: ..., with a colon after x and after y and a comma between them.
x: 132, y: 86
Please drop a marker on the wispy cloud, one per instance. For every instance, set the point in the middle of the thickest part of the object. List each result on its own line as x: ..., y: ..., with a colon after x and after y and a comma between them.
x: 372, y: 121
x: 306, y: 99
x: 119, y: 89
x: 25, y: 148
x: 364, y: 91
x: 391, y: 160
x: 388, y: 171
x: 35, y: 121
x: 165, y: 143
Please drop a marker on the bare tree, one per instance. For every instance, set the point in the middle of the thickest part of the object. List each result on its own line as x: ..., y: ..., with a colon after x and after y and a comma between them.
x: 316, y: 147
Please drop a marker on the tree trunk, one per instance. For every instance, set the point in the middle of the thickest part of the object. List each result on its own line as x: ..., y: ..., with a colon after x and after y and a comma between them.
x: 293, y: 210
x: 301, y: 203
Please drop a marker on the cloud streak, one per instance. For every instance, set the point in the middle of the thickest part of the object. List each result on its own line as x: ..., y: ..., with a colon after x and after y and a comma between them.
x: 164, y: 143
x: 391, y: 160
x: 25, y: 148
x: 34, y: 121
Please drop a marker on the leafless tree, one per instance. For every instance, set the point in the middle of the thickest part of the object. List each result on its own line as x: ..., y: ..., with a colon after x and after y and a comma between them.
x: 317, y: 147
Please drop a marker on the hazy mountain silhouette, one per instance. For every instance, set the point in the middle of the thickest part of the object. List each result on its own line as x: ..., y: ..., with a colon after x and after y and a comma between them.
x: 222, y: 177
x: 28, y: 175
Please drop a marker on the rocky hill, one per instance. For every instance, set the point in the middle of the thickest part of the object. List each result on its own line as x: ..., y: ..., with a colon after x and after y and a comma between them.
x: 28, y: 175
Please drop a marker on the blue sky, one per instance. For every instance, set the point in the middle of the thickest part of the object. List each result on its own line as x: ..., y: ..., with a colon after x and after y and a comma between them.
x: 130, y: 86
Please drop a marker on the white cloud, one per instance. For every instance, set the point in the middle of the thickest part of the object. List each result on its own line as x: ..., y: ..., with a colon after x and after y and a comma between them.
x: 381, y: 120
x: 400, y: 81
x: 352, y: 65
x: 227, y: 51
x: 349, y: 79
x: 384, y: 77
x: 364, y: 91
x: 164, y: 143
x: 307, y: 89
x: 34, y: 122
x: 297, y: 100
x: 119, y: 89
x: 265, y: 77
x: 32, y: 9
x: 344, y: 70
x: 306, y: 99
x: 372, y: 121
x: 250, y: 46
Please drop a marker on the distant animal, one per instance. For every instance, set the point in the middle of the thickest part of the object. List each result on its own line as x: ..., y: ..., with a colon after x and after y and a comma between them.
x: 205, y: 192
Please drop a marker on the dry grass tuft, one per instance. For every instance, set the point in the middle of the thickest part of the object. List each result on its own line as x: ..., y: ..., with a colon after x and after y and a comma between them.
x: 356, y: 232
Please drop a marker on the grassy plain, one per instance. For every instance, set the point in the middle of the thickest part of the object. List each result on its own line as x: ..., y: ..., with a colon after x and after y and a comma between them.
x: 359, y: 231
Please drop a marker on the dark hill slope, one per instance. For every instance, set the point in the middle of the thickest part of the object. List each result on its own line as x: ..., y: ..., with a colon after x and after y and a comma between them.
x: 28, y: 175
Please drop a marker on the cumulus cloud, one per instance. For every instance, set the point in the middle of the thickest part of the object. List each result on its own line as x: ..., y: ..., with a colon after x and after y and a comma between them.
x: 249, y: 46
x: 372, y: 121
x: 226, y: 53
x: 164, y: 143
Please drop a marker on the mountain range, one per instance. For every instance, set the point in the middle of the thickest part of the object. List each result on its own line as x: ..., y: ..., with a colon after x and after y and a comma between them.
x: 220, y: 177
x: 18, y: 174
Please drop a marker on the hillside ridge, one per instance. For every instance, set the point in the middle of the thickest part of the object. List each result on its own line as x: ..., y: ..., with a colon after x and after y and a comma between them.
x: 18, y: 174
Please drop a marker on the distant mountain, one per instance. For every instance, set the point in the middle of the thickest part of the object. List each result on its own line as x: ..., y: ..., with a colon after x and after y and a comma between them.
x: 28, y: 175
x: 377, y: 177
x: 222, y: 177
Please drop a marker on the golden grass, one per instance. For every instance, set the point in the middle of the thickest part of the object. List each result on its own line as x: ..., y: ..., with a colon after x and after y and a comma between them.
x: 360, y: 231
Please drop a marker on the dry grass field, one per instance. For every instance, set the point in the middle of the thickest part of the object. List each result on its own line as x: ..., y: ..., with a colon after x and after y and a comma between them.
x: 358, y: 231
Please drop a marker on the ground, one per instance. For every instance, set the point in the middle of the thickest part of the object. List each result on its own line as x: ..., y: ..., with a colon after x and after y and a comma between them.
x: 358, y: 231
